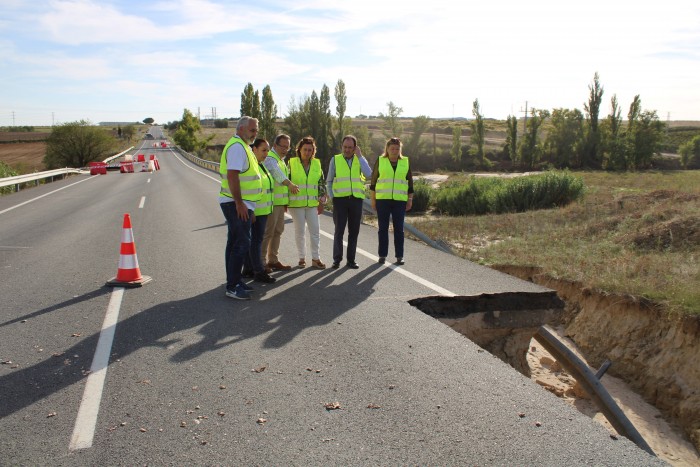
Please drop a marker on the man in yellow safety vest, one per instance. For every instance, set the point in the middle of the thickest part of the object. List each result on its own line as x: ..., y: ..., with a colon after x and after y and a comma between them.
x: 346, y: 185
x: 241, y: 187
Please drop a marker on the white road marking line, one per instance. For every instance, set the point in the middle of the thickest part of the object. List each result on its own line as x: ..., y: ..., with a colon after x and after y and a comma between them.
x: 47, y: 194
x: 400, y: 270
x: 85, y: 422
x: 143, y: 201
x: 216, y: 179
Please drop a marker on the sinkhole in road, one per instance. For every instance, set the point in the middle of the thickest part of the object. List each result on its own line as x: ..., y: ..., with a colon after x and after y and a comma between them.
x: 501, y: 323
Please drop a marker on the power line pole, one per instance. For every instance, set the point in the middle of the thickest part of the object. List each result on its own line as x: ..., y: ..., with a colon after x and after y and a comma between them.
x: 525, y: 124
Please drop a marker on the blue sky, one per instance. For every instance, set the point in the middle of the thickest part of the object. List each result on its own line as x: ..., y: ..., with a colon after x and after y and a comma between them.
x: 108, y: 60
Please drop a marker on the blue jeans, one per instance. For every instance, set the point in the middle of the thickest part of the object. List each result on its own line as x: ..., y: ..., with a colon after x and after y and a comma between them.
x: 237, y: 243
x: 397, y: 211
x: 254, y: 259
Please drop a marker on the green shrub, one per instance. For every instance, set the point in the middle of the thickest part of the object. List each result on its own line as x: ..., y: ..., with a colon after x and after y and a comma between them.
x: 5, y: 172
x: 422, y: 194
x: 461, y: 199
x: 499, y: 195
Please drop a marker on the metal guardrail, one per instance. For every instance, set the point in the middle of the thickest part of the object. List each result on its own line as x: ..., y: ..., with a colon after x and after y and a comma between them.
x: 209, y: 165
x: 20, y: 179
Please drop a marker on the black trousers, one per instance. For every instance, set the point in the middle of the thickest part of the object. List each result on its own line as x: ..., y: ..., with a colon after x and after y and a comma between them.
x: 346, y: 211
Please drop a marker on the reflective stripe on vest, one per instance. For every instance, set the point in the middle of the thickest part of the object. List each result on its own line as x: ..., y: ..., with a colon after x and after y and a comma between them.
x: 263, y: 207
x: 348, y: 181
x: 280, y: 192
x: 308, y: 184
x: 251, y: 183
x: 392, y: 184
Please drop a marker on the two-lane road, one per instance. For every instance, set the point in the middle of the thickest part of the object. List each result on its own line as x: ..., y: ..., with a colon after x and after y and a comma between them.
x: 195, y: 378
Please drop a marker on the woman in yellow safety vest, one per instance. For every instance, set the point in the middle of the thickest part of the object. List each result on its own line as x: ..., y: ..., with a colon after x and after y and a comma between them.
x: 392, y: 195
x: 253, y: 264
x: 306, y: 205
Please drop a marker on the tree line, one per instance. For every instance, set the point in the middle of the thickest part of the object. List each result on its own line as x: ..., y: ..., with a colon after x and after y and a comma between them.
x: 560, y: 138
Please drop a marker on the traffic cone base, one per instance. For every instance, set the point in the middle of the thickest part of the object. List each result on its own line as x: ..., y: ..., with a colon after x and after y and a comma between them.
x: 128, y: 272
x: 114, y: 282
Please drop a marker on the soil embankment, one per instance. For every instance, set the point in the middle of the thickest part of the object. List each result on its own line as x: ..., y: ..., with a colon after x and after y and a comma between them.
x: 655, y: 353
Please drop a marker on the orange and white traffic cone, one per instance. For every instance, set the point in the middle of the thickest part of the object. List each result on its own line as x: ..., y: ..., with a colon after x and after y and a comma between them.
x: 128, y: 272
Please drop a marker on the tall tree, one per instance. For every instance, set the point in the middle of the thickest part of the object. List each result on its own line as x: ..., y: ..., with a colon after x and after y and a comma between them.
x: 477, y: 136
x: 247, y: 100
x: 325, y: 135
x: 75, y: 144
x: 312, y: 112
x: 294, y: 124
x: 632, y: 117
x: 592, y: 153
x: 456, y: 151
x: 414, y: 146
x: 644, y: 135
x: 341, y: 99
x: 564, y: 138
x: 512, y: 137
x: 256, y: 105
x: 530, y: 149
x: 613, y: 144
x: 268, y: 115
x: 392, y: 125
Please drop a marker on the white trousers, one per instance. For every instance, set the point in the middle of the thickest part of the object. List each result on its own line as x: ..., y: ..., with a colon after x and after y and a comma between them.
x: 303, y: 217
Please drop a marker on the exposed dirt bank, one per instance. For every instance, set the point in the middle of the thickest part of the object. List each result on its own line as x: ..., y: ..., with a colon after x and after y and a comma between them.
x: 656, y: 354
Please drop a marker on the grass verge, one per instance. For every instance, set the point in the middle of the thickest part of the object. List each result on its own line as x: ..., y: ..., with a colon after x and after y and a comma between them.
x: 632, y: 233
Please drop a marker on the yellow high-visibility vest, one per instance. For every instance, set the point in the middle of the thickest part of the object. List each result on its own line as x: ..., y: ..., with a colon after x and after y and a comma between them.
x: 251, y: 183
x: 392, y: 184
x: 281, y: 192
x: 308, y: 184
x: 348, y: 181
x: 263, y: 207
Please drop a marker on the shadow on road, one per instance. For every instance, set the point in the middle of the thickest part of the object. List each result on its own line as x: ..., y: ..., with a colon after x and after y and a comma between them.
x: 315, y: 301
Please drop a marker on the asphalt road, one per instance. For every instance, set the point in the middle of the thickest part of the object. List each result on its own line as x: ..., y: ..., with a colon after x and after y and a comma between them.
x: 195, y: 378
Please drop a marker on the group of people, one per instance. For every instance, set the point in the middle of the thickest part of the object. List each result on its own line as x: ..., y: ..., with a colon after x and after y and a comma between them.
x: 259, y: 184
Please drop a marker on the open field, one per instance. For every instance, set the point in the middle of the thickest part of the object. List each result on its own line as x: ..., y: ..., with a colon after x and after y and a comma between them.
x: 23, y: 157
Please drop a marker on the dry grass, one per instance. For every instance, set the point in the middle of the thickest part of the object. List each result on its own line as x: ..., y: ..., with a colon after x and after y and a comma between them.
x: 635, y: 233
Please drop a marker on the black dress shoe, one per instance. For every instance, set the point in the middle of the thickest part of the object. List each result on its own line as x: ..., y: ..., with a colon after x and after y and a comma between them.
x: 353, y: 265
x: 335, y: 265
x: 264, y: 277
x: 400, y: 261
x: 382, y: 259
x: 247, y: 274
